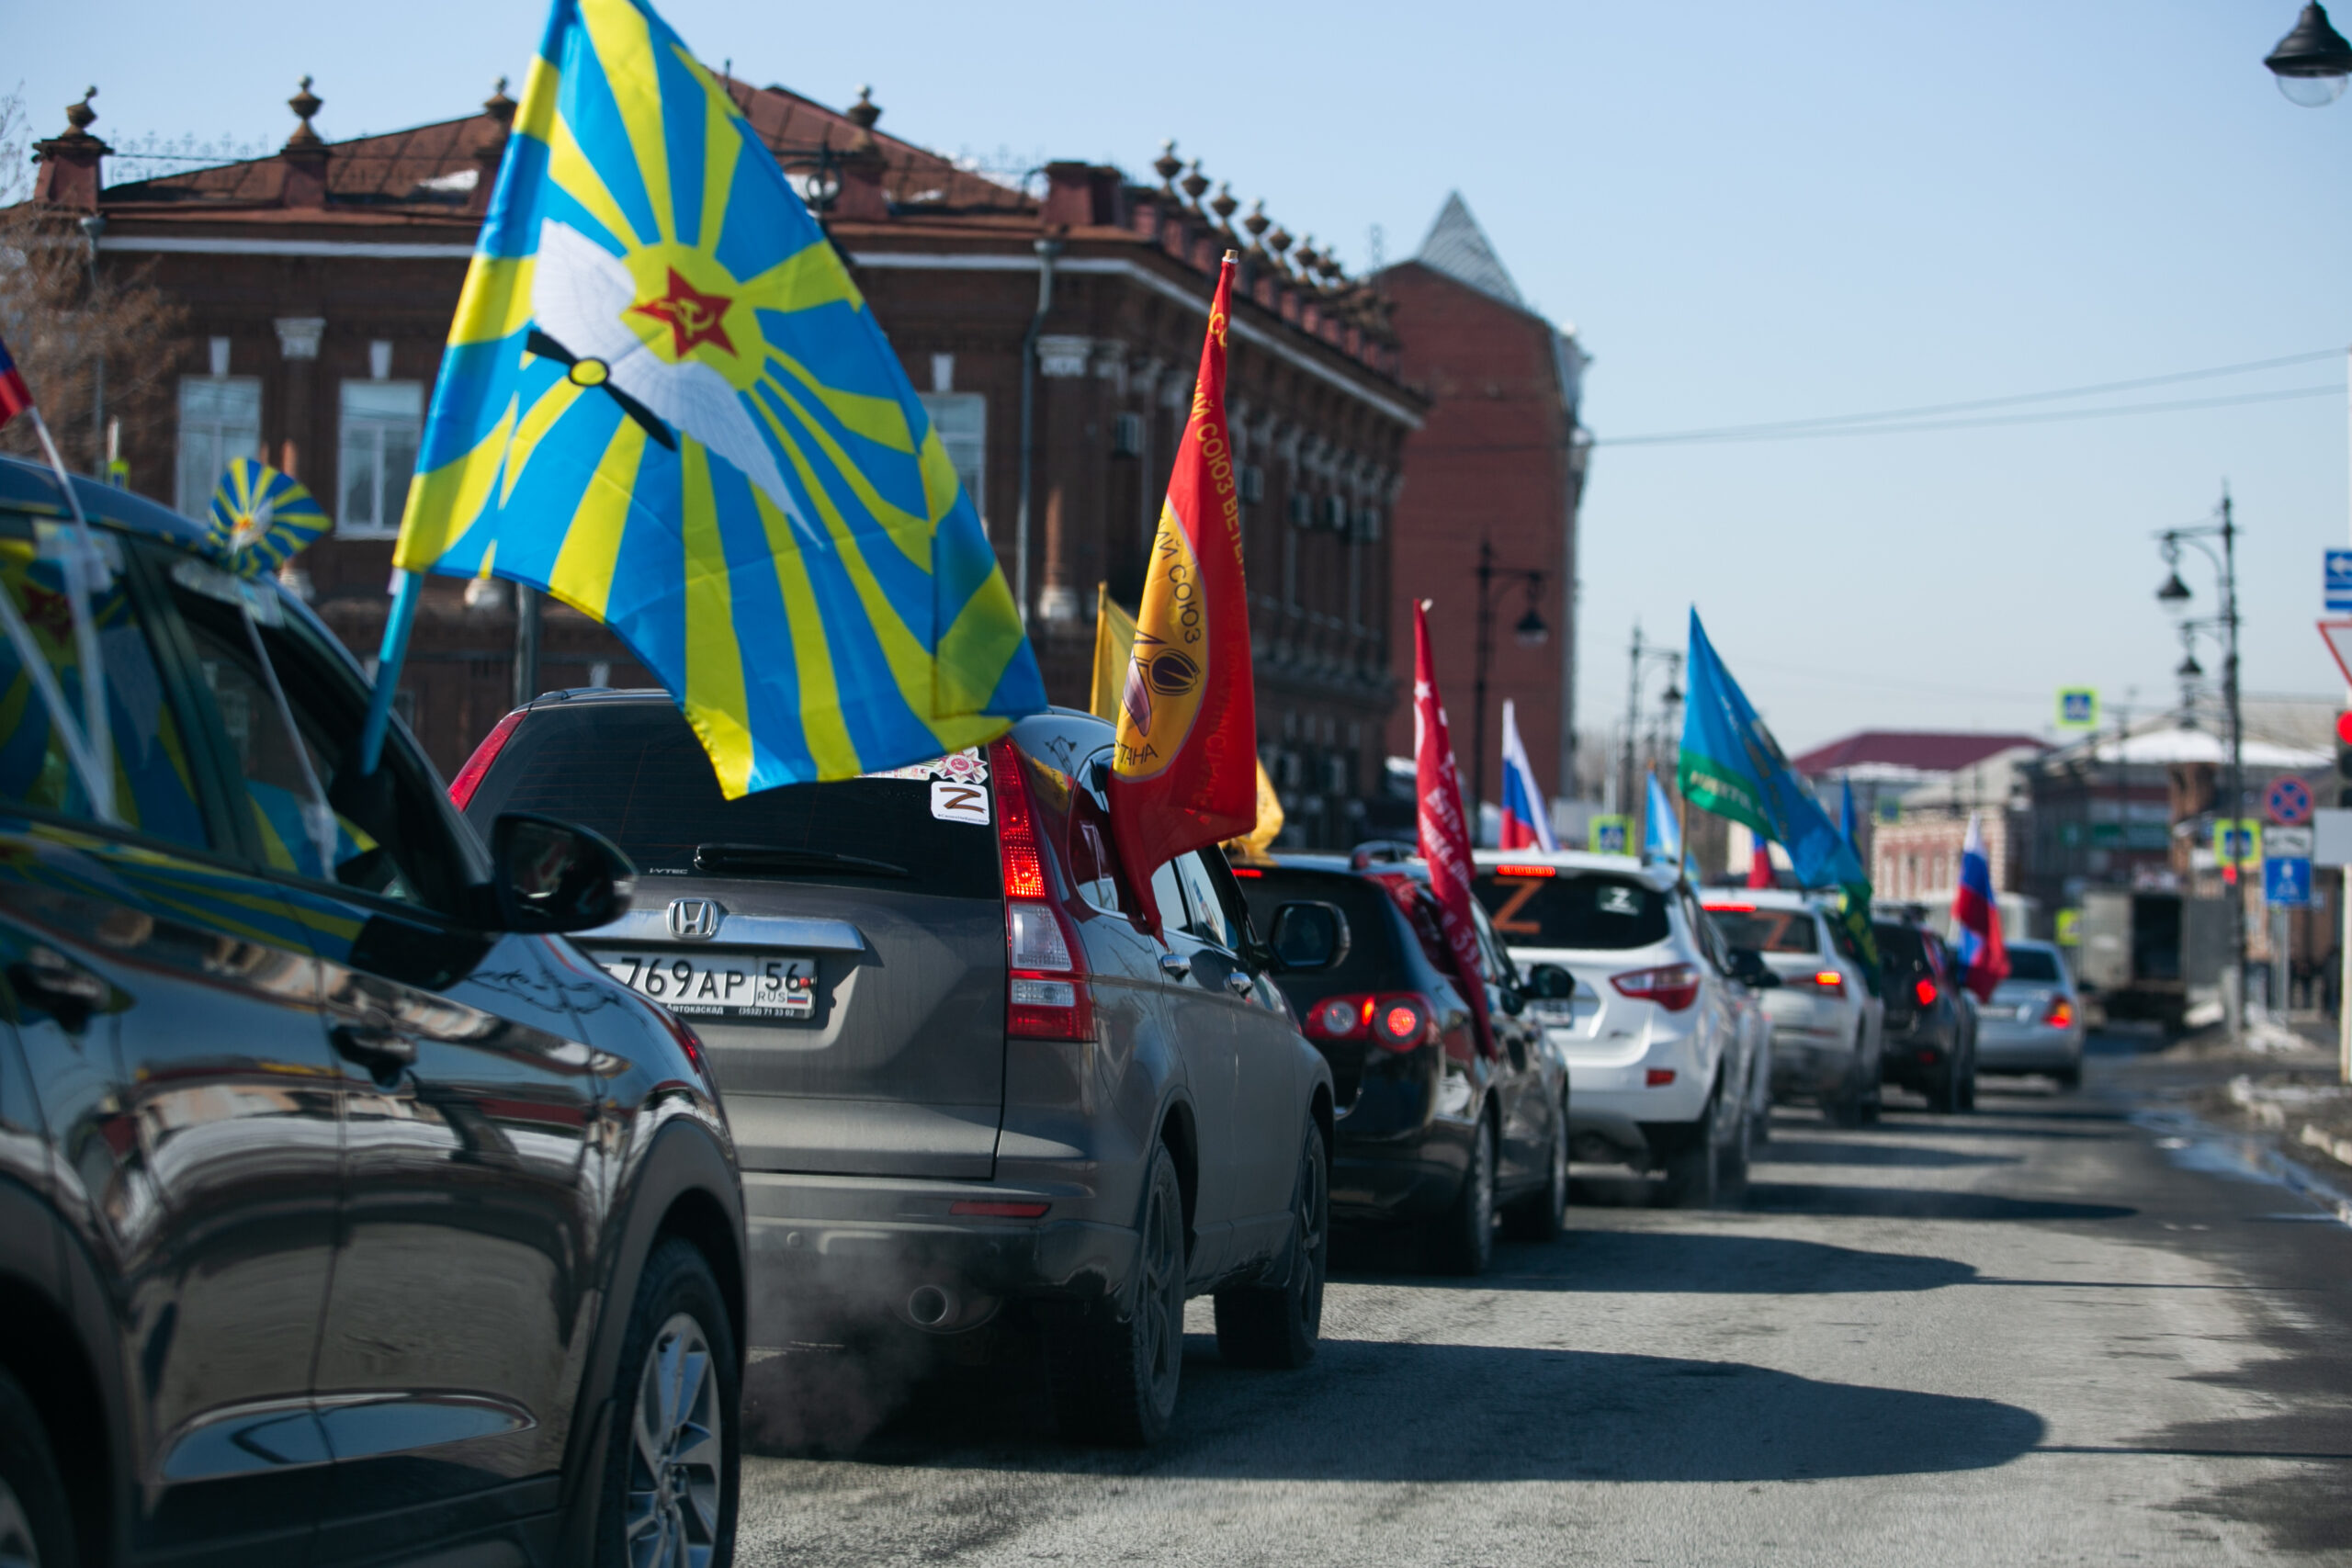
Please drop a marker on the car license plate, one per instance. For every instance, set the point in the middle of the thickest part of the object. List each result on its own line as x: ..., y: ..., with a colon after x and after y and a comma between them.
x: 721, y: 984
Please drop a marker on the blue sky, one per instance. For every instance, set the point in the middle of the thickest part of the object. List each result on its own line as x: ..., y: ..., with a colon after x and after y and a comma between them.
x: 1749, y: 213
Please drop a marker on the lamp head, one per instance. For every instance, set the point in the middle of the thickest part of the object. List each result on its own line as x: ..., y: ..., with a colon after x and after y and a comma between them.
x: 2312, y: 63
x: 1531, y: 631
x: 2174, y: 595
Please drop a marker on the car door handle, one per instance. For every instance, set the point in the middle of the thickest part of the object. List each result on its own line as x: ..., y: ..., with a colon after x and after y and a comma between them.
x: 1175, y: 966
x: 383, y: 1052
x: 1241, y: 982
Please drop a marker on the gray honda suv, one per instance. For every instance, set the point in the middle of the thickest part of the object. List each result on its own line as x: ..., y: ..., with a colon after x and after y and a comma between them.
x: 968, y: 1090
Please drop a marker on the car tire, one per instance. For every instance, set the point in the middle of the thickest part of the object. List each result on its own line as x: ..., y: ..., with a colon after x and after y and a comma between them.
x: 1943, y: 1089
x: 1731, y: 1158
x: 35, y: 1528
x: 1541, y: 1215
x: 1115, y: 1380
x: 1462, y: 1240
x: 2069, y: 1077
x: 672, y: 1463
x: 1968, y: 1083
x: 1277, y: 1326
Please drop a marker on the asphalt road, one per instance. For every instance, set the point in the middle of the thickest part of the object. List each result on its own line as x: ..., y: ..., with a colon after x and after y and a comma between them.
x: 2063, y: 1330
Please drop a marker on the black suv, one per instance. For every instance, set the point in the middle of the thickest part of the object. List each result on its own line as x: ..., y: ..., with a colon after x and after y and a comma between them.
x: 970, y: 1093
x: 1433, y: 1131
x: 1930, y: 1020
x: 345, y: 1212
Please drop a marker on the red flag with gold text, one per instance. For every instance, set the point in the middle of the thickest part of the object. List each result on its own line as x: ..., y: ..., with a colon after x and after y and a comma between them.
x: 1445, y: 835
x: 1185, y: 773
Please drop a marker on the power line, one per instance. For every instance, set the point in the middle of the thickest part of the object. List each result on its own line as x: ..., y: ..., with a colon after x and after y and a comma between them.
x: 1771, y: 428
x: 2054, y: 416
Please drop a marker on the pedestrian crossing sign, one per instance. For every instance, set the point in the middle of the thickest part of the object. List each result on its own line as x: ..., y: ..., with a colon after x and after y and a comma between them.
x: 2077, y: 707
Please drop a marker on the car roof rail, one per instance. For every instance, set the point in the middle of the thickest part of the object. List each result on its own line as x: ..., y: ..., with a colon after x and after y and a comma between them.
x: 1381, y: 851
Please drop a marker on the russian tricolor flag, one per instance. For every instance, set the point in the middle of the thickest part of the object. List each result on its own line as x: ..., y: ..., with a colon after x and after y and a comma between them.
x: 1977, y: 917
x: 1526, y: 825
x: 14, y: 396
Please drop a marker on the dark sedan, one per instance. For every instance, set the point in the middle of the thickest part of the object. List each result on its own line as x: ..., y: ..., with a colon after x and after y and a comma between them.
x: 1930, y: 1021
x: 1433, y: 1130
x: 346, y: 1212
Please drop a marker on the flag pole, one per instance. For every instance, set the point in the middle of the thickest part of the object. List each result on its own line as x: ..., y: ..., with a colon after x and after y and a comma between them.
x: 96, y: 750
x: 389, y: 660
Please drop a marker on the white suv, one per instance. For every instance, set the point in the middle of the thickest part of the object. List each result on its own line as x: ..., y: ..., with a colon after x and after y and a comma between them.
x: 1667, y: 1062
x: 1828, y: 1024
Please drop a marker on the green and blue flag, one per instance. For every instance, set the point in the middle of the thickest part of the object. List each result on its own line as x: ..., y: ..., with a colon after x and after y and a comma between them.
x: 1731, y: 765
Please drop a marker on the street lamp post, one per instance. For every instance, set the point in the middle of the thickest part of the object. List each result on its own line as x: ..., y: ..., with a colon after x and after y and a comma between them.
x: 1640, y: 659
x: 1528, y: 631
x: 2174, y: 595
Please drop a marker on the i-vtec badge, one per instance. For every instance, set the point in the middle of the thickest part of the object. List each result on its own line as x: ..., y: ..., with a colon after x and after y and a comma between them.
x: 694, y: 920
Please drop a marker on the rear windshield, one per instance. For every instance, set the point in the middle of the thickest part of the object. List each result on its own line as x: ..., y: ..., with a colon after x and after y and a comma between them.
x: 2033, y: 964
x: 1371, y: 960
x: 1901, y: 947
x: 1767, y: 930
x: 635, y: 773
x: 1572, y: 910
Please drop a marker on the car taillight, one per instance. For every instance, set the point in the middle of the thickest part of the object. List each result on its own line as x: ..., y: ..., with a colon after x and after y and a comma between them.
x: 1658, y: 1077
x: 469, y: 779
x: 1045, y: 992
x: 2061, y: 1014
x: 1397, y: 1021
x: 1926, y: 991
x: 996, y: 1208
x: 1828, y: 980
x: 1672, y: 986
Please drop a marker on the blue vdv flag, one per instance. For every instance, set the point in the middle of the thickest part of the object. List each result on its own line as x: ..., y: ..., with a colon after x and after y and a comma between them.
x: 1662, y: 834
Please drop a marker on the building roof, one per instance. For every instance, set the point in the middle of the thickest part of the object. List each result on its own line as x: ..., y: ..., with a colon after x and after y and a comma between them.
x: 1457, y: 247
x: 429, y: 171
x: 2155, y: 747
x: 1914, y: 750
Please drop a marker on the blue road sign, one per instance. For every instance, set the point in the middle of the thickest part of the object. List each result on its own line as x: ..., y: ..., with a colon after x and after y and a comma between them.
x: 2337, y: 584
x: 2287, y: 882
x: 2290, y: 802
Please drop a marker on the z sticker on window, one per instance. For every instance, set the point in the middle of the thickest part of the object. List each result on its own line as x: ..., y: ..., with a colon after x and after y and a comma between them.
x: 953, y: 802
x: 1619, y: 902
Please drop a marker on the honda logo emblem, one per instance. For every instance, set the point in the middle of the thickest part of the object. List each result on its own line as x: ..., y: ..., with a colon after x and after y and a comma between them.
x: 694, y: 920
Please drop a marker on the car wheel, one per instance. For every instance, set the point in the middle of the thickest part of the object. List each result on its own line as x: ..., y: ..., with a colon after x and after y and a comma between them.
x: 673, y: 1464
x: 1737, y: 1147
x: 2069, y: 1077
x: 1277, y: 1325
x: 1693, y: 1171
x: 1968, y: 1083
x: 1116, y: 1382
x: 1943, y: 1089
x: 1537, y: 1216
x: 1463, y: 1239
x: 35, y: 1526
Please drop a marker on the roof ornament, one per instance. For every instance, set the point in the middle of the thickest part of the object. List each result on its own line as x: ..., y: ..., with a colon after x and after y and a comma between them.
x: 1195, y: 183
x: 498, y: 107
x: 1168, y: 165
x: 1257, y: 221
x: 1224, y: 206
x: 305, y: 103
x: 1279, y: 242
x: 79, y: 116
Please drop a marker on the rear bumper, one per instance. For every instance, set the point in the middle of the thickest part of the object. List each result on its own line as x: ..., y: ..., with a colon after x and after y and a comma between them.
x: 829, y: 1252
x: 1809, y: 1063
x: 2027, y: 1050
x: 1397, y: 1177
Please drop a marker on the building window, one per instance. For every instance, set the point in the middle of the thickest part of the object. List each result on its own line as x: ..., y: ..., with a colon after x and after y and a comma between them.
x: 1126, y: 435
x: 1335, y: 514
x: 1302, y: 510
x: 220, y: 421
x: 381, y: 421
x: 962, y: 420
x: 1253, y: 483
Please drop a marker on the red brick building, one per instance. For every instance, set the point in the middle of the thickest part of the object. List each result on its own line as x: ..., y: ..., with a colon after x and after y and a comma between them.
x: 1500, y: 463
x: 318, y: 283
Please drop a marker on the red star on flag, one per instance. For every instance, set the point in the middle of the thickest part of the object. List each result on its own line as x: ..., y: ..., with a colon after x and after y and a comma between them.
x: 695, y: 318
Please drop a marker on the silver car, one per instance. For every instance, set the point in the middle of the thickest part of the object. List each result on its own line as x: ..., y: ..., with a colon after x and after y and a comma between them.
x: 2034, y: 1022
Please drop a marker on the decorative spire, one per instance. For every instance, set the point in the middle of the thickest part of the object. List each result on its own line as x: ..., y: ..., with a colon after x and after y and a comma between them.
x: 305, y: 103
x: 1257, y: 220
x: 1168, y: 165
x: 498, y: 107
x: 79, y: 116
x: 1224, y: 205
x: 1195, y: 183
x: 865, y: 111
x: 1279, y: 242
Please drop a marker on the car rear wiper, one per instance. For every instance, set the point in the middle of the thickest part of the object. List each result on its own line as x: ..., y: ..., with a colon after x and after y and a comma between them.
x: 754, y: 859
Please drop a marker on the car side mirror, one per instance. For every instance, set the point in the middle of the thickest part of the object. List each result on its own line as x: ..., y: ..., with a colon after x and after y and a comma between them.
x: 1308, y: 936
x: 1748, y: 967
x: 1549, y: 982
x: 1513, y: 1002
x: 550, y: 876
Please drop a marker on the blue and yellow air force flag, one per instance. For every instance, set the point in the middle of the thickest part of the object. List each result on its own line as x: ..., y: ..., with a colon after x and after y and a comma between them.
x: 261, y: 518
x: 665, y: 403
